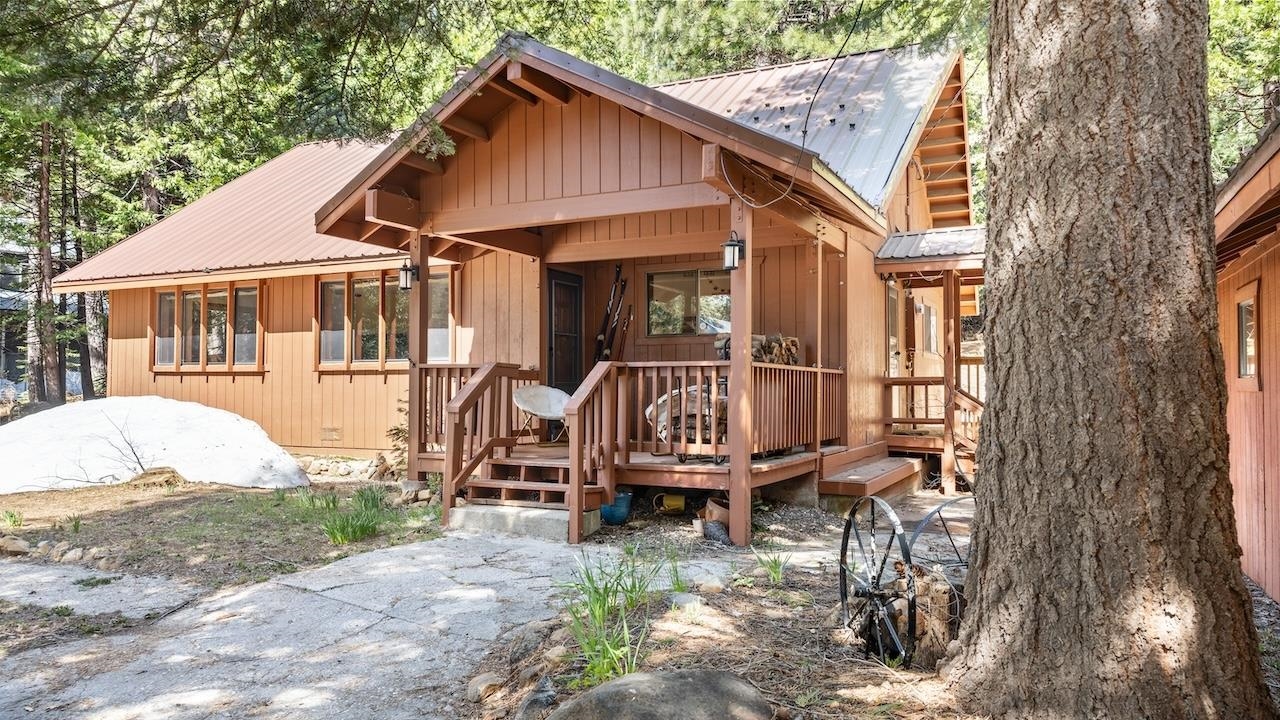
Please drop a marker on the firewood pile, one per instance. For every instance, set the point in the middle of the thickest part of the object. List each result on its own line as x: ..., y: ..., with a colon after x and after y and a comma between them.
x: 777, y: 349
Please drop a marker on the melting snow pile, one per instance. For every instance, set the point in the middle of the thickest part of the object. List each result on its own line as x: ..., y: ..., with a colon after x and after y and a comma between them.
x: 114, y: 439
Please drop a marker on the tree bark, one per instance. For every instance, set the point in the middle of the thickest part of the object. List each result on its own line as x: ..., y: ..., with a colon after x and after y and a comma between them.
x: 84, y: 339
x: 55, y: 391
x: 1106, y: 580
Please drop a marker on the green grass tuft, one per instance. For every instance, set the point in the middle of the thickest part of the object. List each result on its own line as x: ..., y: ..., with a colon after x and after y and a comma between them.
x: 12, y: 518
x: 774, y: 565
x: 370, y: 498
x: 344, y: 528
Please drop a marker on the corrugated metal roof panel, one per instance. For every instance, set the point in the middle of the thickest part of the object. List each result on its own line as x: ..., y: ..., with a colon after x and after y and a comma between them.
x: 262, y: 218
x: 861, y: 121
x: 942, y: 242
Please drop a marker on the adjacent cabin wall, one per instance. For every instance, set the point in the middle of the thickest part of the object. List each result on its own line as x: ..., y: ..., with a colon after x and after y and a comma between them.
x: 498, y: 301
x: 300, y: 408
x: 908, y: 207
x: 1255, y: 434
x: 866, y: 344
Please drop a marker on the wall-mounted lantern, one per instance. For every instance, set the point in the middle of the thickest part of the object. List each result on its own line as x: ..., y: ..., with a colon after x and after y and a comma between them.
x: 408, y: 274
x: 733, y: 251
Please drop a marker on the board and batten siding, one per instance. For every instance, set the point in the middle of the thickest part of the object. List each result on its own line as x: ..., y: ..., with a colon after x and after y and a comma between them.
x: 498, y: 303
x: 1251, y: 420
x: 301, y: 409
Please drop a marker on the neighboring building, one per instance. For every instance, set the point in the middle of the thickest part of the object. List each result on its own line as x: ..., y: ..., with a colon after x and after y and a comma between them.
x: 13, y: 331
x: 566, y: 176
x: 236, y: 302
x: 1248, y: 237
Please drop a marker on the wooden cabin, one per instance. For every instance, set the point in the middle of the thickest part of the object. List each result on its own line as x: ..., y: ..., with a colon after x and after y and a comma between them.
x: 565, y: 179
x: 237, y: 303
x: 1247, y: 228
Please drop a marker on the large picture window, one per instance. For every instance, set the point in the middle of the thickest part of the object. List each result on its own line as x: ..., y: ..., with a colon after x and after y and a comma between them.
x: 207, y: 328
x: 363, y: 321
x: 688, y: 302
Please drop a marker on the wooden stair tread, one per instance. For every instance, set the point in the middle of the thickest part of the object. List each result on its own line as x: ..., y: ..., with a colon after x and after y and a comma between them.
x: 527, y: 485
x: 870, y: 476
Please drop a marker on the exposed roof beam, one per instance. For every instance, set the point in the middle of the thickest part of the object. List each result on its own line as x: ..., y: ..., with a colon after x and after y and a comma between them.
x: 390, y: 209
x: 470, y: 128
x: 519, y: 242
x: 566, y: 210
x: 539, y: 83
x: 507, y: 88
x: 708, y: 241
x: 418, y: 162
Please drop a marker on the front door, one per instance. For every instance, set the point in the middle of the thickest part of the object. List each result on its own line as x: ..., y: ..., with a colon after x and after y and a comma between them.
x: 564, y: 341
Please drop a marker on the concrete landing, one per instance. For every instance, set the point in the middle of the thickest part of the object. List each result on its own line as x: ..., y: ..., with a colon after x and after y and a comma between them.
x: 542, y: 523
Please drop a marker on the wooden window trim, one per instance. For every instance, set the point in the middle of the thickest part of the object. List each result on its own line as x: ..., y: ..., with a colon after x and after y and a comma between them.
x: 348, y: 365
x: 1247, y: 293
x: 229, y: 366
x: 657, y: 269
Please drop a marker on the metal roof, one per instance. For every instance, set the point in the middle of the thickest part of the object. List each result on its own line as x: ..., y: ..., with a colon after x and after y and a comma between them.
x: 939, y: 243
x: 862, y: 120
x: 263, y: 218
x: 12, y: 300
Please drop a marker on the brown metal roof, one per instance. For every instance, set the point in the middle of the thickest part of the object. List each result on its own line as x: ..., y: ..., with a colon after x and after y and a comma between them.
x: 861, y: 122
x: 264, y: 218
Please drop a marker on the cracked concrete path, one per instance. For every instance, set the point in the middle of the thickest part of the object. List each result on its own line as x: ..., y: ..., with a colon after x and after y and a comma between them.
x: 393, y: 633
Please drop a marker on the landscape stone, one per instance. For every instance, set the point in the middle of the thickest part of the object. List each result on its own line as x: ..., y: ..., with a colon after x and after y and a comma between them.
x: 686, y: 601
x: 525, y: 640
x: 556, y: 655
x: 14, y: 546
x: 531, y: 673
x: 538, y: 702
x: 711, y: 584
x: 684, y: 694
x: 483, y: 685
x: 73, y: 555
x: 561, y: 636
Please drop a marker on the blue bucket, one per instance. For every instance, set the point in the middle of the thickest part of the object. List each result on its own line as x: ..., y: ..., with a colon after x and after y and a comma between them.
x: 617, y: 513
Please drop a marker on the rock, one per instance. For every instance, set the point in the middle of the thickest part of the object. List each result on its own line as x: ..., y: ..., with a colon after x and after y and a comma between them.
x: 14, y: 546
x: 531, y: 673
x: 159, y: 477
x: 94, y: 553
x: 483, y: 685
x: 710, y: 584
x: 104, y: 564
x: 561, y: 636
x: 319, y: 466
x: 57, y: 551
x: 716, y: 531
x: 556, y: 655
x: 525, y: 640
x: 412, y: 486
x: 535, y: 706
x: 686, y: 601
x: 43, y: 545
x: 73, y: 555
x: 342, y: 470
x: 685, y: 694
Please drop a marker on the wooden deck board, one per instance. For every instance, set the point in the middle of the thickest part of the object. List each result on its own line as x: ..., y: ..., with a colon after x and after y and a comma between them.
x: 870, y: 477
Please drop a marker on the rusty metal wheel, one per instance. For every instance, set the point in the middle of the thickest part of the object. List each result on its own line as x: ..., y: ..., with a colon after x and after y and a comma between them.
x: 877, y: 582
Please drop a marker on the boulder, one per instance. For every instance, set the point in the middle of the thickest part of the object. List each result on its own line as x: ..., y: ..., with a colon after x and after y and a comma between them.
x: 535, y: 706
x: 685, y: 694
x: 14, y: 546
x: 525, y: 640
x: 483, y: 685
x: 74, y: 555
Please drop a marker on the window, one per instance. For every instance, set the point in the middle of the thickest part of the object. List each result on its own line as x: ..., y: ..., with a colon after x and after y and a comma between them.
x: 688, y: 302
x: 1247, y: 336
x: 437, y: 318
x: 378, y: 315
x: 207, y: 328
x: 930, y: 328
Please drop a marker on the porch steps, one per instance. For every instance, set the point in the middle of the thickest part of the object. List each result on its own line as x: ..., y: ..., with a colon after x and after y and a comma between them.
x: 521, y: 493
x: 871, y: 476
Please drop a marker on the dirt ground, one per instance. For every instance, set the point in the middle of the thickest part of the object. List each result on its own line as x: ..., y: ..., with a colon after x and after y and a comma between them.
x: 23, y: 627
x: 208, y: 535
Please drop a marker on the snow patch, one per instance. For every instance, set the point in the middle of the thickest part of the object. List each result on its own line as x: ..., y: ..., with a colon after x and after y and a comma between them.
x: 113, y: 439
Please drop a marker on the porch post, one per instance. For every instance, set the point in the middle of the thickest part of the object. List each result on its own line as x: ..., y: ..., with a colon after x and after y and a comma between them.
x: 740, y: 318
x: 816, y: 324
x: 950, y: 366
x: 418, y: 315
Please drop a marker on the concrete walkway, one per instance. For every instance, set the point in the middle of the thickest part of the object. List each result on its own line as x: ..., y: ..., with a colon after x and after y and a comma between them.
x: 394, y: 633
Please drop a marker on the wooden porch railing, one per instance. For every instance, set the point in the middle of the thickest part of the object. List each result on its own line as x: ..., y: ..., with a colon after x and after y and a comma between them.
x: 678, y: 408
x: 924, y: 401
x: 481, y: 419
x: 973, y: 377
x: 436, y: 387
x: 592, y: 421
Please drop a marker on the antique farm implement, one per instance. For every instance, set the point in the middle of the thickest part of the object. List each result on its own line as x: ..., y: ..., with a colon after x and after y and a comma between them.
x: 903, y: 593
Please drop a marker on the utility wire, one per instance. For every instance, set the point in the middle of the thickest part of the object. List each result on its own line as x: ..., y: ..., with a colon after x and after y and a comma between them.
x: 804, y: 130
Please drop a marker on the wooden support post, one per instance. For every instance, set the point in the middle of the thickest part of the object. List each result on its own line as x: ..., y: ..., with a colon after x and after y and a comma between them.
x: 950, y: 367
x: 815, y: 270
x: 740, y: 315
x: 622, y: 381
x: 609, y: 414
x: 418, y: 314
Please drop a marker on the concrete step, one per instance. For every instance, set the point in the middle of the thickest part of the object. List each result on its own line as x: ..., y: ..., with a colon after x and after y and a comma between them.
x: 545, y: 523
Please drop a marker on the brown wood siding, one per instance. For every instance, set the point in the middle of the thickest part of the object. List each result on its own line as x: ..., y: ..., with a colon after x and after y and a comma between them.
x: 296, y: 405
x: 547, y: 152
x: 497, y: 311
x: 866, y: 350
x: 908, y: 207
x: 1255, y: 435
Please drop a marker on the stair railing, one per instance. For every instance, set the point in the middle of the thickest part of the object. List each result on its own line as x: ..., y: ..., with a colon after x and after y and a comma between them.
x: 592, y: 421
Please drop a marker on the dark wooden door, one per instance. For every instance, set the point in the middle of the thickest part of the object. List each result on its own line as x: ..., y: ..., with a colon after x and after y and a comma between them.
x: 564, y: 342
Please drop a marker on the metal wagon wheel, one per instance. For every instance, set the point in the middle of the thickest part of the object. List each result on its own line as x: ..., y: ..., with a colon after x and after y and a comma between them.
x: 945, y: 521
x: 877, y: 585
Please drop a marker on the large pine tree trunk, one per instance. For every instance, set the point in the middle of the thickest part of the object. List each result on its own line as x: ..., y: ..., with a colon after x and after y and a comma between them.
x: 44, y: 309
x: 1106, y: 580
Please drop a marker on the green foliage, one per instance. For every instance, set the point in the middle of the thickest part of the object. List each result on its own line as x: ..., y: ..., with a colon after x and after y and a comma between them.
x: 61, y: 610
x: 12, y: 518
x: 310, y: 499
x: 677, y: 581
x: 599, y: 598
x: 774, y: 565
x: 95, y: 581
x: 370, y: 498
x: 72, y: 523
x: 1244, y: 74
x: 349, y: 527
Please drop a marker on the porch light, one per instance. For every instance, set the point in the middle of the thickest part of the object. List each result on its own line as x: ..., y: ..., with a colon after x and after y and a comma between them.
x: 408, y: 274
x: 733, y: 251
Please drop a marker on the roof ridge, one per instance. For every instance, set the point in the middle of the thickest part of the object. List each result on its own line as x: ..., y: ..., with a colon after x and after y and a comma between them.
x: 761, y: 68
